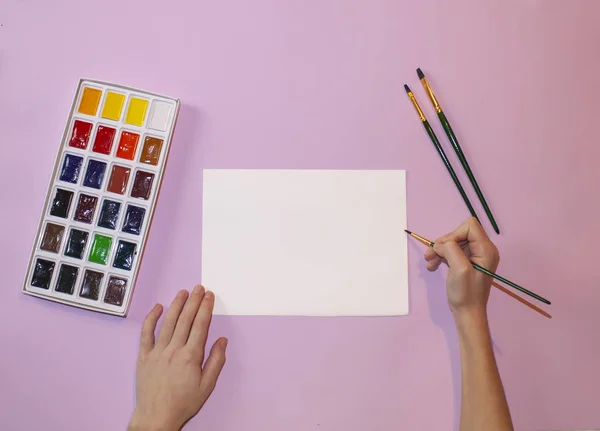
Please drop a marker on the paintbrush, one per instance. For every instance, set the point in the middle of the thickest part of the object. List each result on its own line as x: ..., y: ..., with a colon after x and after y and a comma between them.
x: 457, y: 148
x: 440, y: 150
x: 485, y: 271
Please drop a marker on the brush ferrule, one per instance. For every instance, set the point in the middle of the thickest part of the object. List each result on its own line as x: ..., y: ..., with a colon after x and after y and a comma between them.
x: 432, y: 97
x: 424, y: 240
x: 416, y: 105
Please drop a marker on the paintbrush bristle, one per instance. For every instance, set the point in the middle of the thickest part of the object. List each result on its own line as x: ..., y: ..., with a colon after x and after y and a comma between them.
x: 408, y: 232
x: 420, y: 73
x: 407, y: 88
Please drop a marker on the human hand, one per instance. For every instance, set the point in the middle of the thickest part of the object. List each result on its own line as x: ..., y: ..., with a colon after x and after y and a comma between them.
x: 172, y: 384
x: 467, y: 289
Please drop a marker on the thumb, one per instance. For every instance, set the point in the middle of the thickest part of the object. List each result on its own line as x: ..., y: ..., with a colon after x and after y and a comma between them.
x: 213, y: 366
x: 453, y: 254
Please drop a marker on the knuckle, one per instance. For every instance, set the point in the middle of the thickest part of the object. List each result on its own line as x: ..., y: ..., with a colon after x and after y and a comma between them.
x: 185, y: 320
x: 463, y: 270
x: 496, y: 253
x: 168, y: 355
x: 211, y: 386
x: 187, y: 356
x: 442, y: 243
x: 496, y: 257
x: 493, y: 252
x: 169, y: 321
x: 203, y: 321
x: 472, y: 221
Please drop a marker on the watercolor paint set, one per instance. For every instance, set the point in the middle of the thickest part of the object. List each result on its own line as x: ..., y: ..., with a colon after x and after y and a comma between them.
x: 101, y: 198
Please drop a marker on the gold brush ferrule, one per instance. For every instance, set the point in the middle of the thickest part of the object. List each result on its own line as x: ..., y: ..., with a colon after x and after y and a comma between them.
x: 423, y: 240
x: 429, y: 91
x: 416, y: 105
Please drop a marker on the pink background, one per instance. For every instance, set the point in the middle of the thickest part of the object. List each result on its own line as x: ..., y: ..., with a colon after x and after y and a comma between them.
x: 318, y: 84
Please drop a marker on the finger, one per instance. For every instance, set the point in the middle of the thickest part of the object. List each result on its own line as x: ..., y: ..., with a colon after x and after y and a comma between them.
x: 471, y: 234
x: 168, y: 325
x: 214, y: 365
x: 430, y: 254
x: 201, y: 325
x: 434, y: 264
x: 470, y: 230
x: 148, y: 328
x: 453, y: 254
x: 184, y: 323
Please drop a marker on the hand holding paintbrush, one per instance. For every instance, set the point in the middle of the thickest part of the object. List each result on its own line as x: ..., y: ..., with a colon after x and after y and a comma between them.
x: 466, y: 287
x: 472, y: 258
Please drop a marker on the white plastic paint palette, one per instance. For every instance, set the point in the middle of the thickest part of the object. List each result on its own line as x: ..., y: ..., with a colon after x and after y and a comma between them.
x: 101, y: 198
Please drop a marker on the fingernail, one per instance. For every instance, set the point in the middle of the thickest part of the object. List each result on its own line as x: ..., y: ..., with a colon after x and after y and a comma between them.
x: 182, y: 293
x: 198, y: 289
x: 209, y: 295
x: 224, y: 342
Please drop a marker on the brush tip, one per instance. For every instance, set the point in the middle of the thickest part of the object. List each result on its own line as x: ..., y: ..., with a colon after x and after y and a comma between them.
x: 407, y: 88
x: 420, y: 73
x: 408, y: 232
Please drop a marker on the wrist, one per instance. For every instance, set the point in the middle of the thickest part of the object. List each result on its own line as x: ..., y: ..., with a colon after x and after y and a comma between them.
x: 468, y: 320
x: 141, y: 423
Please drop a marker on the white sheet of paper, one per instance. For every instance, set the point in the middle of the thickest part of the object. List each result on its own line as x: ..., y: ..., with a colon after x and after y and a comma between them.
x: 305, y: 242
